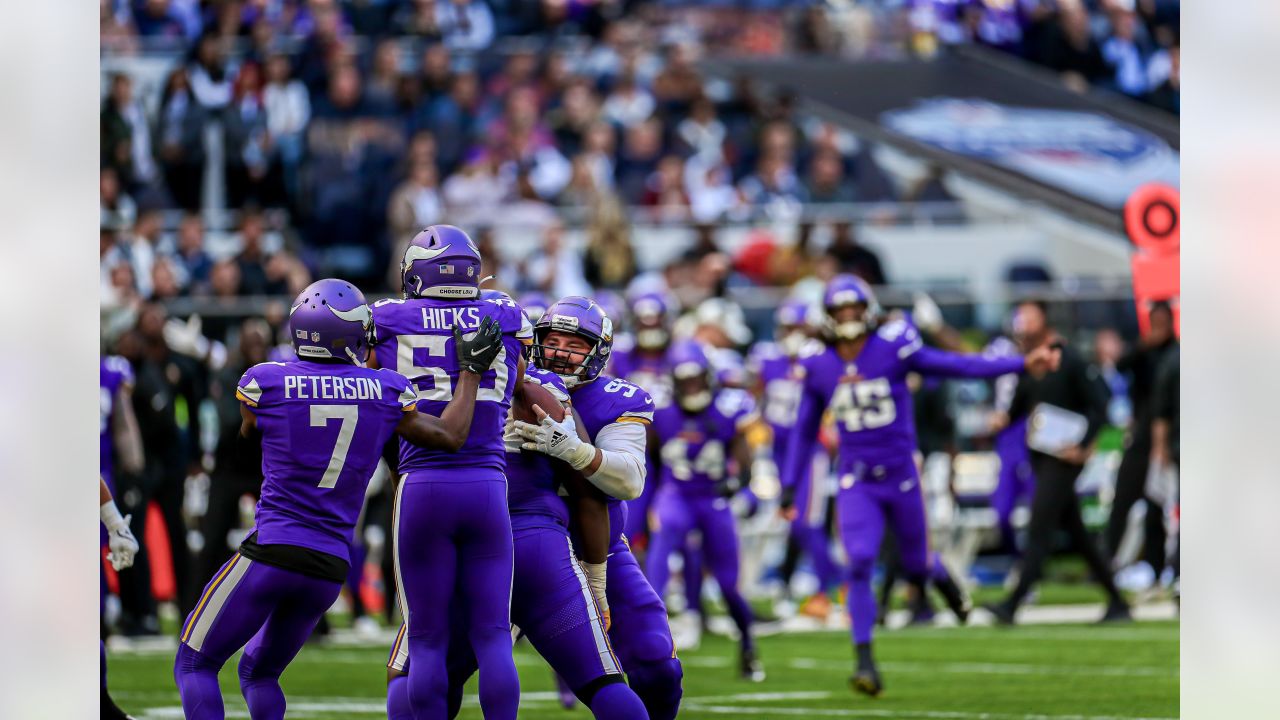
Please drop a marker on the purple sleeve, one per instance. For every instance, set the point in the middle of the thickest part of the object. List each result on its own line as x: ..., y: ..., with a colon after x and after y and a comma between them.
x: 931, y: 361
x: 804, y: 434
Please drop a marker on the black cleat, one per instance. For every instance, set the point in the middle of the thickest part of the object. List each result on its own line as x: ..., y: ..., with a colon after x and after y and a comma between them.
x: 1117, y: 612
x: 867, y: 681
x: 957, y: 599
x: 749, y: 666
x: 1003, y: 614
x: 109, y: 710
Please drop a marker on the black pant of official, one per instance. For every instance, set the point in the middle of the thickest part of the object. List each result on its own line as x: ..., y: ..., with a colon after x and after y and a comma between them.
x: 1131, y: 482
x: 1055, y: 507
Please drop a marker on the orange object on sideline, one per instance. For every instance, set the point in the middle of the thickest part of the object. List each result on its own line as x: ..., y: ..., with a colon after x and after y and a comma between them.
x: 1152, y: 217
x: 160, y: 555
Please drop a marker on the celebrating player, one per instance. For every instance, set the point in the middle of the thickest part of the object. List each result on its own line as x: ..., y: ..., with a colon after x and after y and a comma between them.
x: 697, y: 433
x: 323, y: 419
x: 451, y: 525
x: 859, y: 372
x: 773, y: 365
x: 573, y: 340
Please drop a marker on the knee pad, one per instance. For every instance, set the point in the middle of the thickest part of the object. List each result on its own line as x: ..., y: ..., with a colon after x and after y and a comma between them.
x: 861, y: 567
x: 587, y: 692
x: 659, y: 685
x: 190, y: 661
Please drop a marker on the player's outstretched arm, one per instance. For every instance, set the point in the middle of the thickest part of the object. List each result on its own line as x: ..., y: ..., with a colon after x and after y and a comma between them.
x: 122, y: 544
x: 450, y: 430
x: 940, y: 363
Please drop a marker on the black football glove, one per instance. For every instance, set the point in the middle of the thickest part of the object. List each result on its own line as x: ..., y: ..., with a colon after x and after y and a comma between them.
x: 728, y: 487
x: 787, y: 499
x: 477, y: 353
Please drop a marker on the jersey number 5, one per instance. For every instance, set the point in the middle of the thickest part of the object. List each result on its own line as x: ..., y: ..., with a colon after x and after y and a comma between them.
x: 349, y: 415
x: 864, y: 405
x: 441, y: 384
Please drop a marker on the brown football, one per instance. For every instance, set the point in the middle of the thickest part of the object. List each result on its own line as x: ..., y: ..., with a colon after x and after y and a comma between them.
x: 529, y: 394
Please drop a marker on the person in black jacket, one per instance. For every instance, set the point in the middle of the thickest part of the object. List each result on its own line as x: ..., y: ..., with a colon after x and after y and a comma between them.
x: 1077, y: 388
x: 1142, y: 364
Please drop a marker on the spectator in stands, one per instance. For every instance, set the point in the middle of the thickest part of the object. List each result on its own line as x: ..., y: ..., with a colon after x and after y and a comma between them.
x: 414, y: 205
x: 417, y: 18
x: 1071, y: 50
x: 181, y: 136
x: 701, y: 133
x: 638, y: 158
x: 1125, y: 52
x: 164, y: 280
x: 598, y: 151
x: 435, y: 77
x: 288, y: 108
x: 116, y: 208
x: 476, y: 190
x: 628, y: 103
x: 931, y: 188
x: 157, y: 19
x: 382, y: 90
x: 774, y: 188
x: 211, y: 80
x: 853, y: 257
x: 826, y: 182
x: 126, y: 135
x: 664, y: 189
x: 465, y: 24
x: 555, y: 269
x: 609, y: 261
x: 141, y: 248
x: 678, y: 83
x: 115, y: 28
x: 1165, y: 79
x: 712, y: 194
x: 578, y: 112
x: 192, y: 262
x: 254, y: 171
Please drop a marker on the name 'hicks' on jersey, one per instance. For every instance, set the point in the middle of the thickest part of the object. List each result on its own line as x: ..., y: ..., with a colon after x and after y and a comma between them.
x: 415, y: 338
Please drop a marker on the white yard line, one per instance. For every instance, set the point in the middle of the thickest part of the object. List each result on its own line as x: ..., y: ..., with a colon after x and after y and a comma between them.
x: 802, y: 663
x: 741, y: 710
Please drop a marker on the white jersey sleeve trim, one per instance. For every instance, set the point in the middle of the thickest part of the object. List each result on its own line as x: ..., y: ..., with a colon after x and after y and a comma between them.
x: 622, y: 465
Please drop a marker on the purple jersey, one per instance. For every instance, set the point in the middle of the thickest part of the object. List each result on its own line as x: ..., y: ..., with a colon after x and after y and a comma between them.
x: 323, y: 427
x: 869, y: 398
x: 647, y: 370
x: 780, y: 399
x: 695, y: 446
x: 602, y: 402
x: 533, y: 495
x: 114, y: 374
x: 415, y: 338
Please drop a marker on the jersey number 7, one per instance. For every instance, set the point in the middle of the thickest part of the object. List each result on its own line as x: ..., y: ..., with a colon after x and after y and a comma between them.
x: 349, y: 415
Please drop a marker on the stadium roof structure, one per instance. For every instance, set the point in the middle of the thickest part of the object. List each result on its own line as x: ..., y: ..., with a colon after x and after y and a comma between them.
x: 991, y: 117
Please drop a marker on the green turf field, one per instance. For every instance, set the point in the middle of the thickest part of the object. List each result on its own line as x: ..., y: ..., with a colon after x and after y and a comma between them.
x: 1038, y: 672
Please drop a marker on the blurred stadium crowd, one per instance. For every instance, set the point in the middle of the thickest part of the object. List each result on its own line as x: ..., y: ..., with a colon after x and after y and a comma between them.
x: 341, y: 128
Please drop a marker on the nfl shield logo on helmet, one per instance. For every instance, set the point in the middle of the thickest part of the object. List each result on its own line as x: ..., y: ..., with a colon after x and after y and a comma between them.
x: 315, y: 337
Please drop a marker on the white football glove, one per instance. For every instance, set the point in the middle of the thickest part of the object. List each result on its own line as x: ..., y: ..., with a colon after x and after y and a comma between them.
x: 596, y: 573
x: 558, y: 439
x: 926, y: 313
x: 120, y: 540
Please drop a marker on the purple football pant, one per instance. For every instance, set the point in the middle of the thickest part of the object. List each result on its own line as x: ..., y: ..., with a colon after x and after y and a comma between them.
x: 677, y: 516
x: 273, y: 610
x: 641, y: 636
x: 690, y: 572
x: 1016, y: 481
x: 453, y: 532
x: 638, y: 510
x: 863, y: 508
x: 810, y: 528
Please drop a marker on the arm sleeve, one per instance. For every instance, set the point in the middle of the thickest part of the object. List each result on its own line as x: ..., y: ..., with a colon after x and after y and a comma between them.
x: 622, y: 467
x: 803, y: 436
x: 931, y: 361
x: 1019, y: 406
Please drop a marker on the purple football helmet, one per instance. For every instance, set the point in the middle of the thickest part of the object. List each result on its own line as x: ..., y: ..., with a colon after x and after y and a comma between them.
x: 849, y: 290
x: 582, y: 317
x: 534, y: 304
x: 793, y: 320
x: 441, y: 262
x: 330, y: 319
x: 651, y: 313
x: 691, y: 374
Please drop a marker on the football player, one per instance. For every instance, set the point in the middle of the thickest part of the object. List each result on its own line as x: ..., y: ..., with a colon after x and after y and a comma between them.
x: 859, y: 372
x: 451, y: 528
x: 573, y: 340
x: 323, y: 420
x: 122, y: 547
x: 1016, y: 481
x: 697, y: 434
x: 118, y: 434
x: 778, y: 388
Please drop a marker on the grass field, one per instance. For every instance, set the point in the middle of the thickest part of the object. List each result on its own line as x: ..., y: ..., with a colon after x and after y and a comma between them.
x: 1040, y: 672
